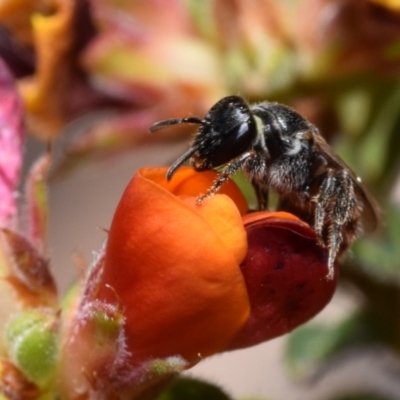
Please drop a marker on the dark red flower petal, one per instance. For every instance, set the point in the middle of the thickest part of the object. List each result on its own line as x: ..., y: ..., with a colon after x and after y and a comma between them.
x: 286, y: 277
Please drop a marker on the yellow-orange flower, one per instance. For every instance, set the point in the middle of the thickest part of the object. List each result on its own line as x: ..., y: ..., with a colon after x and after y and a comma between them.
x: 174, y: 266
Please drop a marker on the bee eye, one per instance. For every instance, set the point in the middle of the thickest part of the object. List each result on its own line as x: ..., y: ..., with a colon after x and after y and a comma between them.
x: 234, y: 142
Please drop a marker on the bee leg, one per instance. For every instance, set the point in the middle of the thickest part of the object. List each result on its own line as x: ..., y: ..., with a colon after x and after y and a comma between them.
x: 342, y: 213
x: 336, y: 204
x: 323, y: 199
x: 229, y: 170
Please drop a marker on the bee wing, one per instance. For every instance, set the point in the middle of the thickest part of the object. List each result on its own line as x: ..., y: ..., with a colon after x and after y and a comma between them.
x: 371, y: 212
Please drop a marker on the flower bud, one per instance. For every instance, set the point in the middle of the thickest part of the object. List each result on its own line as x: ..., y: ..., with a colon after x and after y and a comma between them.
x: 32, y: 344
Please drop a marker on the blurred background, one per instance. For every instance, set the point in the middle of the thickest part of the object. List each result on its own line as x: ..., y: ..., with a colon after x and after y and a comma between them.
x: 94, y: 75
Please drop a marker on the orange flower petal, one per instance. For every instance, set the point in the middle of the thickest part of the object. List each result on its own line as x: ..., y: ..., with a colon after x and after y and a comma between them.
x: 181, y: 288
x: 189, y: 182
x: 227, y: 224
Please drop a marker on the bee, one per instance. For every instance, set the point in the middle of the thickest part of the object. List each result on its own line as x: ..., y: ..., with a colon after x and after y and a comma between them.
x: 278, y: 149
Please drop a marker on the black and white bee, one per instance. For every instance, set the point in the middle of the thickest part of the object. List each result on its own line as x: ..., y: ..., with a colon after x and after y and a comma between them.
x: 279, y: 149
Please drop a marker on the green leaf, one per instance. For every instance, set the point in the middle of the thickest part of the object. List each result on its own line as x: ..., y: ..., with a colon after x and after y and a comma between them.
x: 373, y: 150
x: 246, y: 188
x: 192, y: 389
x: 379, y: 257
x: 312, y: 345
x: 353, y: 108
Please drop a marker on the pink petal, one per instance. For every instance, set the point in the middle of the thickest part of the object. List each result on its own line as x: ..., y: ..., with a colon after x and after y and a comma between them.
x: 11, y: 141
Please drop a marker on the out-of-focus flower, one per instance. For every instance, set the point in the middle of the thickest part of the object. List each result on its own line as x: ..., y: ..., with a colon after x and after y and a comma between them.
x: 55, y: 88
x: 338, y: 37
x: 178, y: 282
x: 391, y: 4
x: 44, y: 91
x: 11, y: 142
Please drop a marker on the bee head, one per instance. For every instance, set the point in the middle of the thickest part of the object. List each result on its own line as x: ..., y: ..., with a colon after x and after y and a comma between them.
x: 227, y: 131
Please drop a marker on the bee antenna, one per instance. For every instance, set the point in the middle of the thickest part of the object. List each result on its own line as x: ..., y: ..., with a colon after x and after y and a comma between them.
x: 175, y: 121
x: 179, y: 162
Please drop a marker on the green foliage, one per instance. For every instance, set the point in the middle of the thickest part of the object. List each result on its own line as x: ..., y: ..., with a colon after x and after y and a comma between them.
x: 380, y: 256
x: 246, y: 188
x: 312, y: 345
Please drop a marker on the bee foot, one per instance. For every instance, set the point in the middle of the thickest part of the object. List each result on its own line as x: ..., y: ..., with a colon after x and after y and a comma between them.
x: 331, y: 273
x: 331, y: 265
x: 201, y: 198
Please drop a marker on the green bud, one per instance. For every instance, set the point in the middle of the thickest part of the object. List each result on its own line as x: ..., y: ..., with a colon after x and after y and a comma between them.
x: 32, y: 345
x: 169, y: 365
x: 107, y: 326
